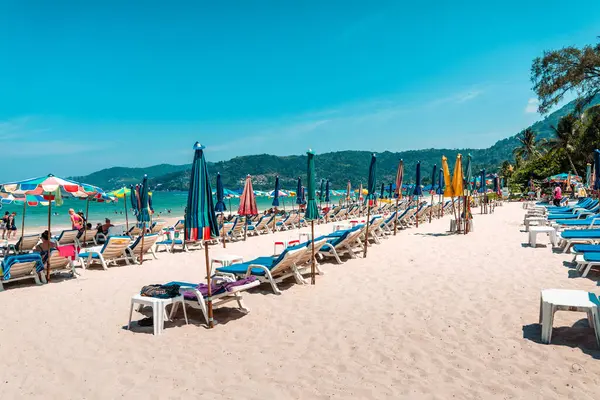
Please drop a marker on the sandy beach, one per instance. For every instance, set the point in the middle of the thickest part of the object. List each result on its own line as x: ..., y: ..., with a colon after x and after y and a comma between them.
x: 426, y: 315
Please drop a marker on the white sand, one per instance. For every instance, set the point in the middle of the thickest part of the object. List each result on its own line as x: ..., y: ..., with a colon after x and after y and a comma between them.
x: 426, y: 315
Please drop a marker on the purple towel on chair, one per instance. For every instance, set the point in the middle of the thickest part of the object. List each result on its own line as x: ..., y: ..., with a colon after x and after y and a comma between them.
x: 218, y: 288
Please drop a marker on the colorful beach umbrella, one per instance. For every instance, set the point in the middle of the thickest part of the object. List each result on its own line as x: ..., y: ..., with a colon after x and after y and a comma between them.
x: 370, y: 196
x: 200, y: 218
x: 312, y: 212
x: 247, y: 203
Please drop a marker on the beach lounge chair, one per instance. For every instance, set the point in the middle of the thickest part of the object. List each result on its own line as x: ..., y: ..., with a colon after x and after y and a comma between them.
x: 264, y: 225
x: 111, y: 252
x: 343, y: 242
x: 570, y: 237
x: 25, y: 244
x: 88, y: 238
x: 270, y: 269
x: 133, y: 251
x: 19, y: 267
x: 304, y: 263
x: 59, y: 263
x: 158, y: 226
x: 67, y: 237
x: 223, y: 293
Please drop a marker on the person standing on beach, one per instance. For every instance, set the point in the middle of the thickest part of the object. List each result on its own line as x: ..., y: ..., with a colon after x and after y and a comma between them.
x: 76, y: 220
x: 4, y: 225
x: 557, y: 195
x: 11, y: 226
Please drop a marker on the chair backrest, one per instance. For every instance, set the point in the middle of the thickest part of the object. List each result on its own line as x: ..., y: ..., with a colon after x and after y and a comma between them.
x: 149, y: 241
x: 287, y: 258
x: 115, y: 246
x: 57, y: 261
x: 20, y: 269
x: 27, y: 243
x: 307, y: 255
x: 67, y: 237
x: 158, y: 226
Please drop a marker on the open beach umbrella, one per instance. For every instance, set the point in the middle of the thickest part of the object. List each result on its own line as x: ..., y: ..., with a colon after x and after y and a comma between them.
x: 399, y: 180
x: 200, y: 218
x: 247, y: 203
x: 51, y: 188
x: 312, y: 212
x: 417, y: 191
x: 370, y: 196
x: 122, y: 194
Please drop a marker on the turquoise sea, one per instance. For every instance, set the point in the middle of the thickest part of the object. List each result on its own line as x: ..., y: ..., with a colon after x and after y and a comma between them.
x: 162, y: 203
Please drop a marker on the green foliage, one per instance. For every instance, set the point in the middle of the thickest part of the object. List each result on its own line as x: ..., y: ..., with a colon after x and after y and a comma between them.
x: 566, y: 70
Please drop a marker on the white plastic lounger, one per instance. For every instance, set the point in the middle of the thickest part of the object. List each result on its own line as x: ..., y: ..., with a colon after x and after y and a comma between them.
x: 133, y: 251
x: 67, y: 237
x: 61, y: 264
x: 113, y: 250
x: 23, y: 270
x: 25, y: 244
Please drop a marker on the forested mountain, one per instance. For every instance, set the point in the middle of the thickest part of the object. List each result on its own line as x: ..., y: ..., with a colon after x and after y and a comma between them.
x: 338, y: 167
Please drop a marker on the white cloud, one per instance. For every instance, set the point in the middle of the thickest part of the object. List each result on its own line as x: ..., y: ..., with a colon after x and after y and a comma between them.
x: 532, y: 105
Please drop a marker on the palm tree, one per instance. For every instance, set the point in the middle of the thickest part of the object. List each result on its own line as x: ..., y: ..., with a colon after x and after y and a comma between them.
x: 565, y: 136
x: 529, y: 148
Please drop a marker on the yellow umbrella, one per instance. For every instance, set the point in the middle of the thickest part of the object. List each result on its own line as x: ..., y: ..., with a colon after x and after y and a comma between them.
x: 457, y: 178
x: 448, y: 191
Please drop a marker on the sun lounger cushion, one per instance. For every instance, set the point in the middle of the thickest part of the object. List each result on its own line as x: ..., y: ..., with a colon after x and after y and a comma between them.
x: 586, y: 248
x: 241, y: 268
x: 581, y: 234
x: 591, y: 257
x: 22, y: 258
x: 578, y: 222
x: 170, y: 242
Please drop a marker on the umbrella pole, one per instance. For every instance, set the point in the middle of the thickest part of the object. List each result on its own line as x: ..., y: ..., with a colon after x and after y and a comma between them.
x: 125, y: 205
x: 211, y: 323
x: 431, y: 208
x: 23, y: 220
x: 367, y: 230
x: 87, y: 209
x: 49, y: 238
x: 245, y: 227
x: 274, y: 220
x: 417, y: 213
x: 230, y: 207
x: 223, y: 228
x: 312, y: 266
x: 442, y: 201
x: 396, y: 218
x: 142, y: 246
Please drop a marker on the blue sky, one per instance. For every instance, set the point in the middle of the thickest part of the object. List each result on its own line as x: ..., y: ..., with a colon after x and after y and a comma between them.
x: 88, y: 85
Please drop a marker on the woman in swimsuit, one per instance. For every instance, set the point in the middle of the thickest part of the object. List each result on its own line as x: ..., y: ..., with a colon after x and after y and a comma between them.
x: 76, y: 220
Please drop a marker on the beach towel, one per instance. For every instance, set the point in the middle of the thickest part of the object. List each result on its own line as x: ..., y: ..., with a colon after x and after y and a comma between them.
x: 68, y: 251
x: 218, y: 287
x: 11, y: 260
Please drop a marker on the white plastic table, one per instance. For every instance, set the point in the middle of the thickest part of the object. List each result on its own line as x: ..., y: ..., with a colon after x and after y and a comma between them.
x: 539, y: 221
x: 553, y: 300
x: 340, y: 226
x: 225, y: 260
x: 535, y: 230
x: 158, y: 309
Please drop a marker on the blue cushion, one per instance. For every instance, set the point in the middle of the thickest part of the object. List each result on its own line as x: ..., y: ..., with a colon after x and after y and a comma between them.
x: 581, y: 234
x: 242, y: 268
x: 86, y: 255
x: 586, y: 248
x: 591, y: 257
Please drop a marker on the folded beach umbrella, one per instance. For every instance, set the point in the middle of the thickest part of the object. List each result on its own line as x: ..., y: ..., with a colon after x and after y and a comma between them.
x: 220, y: 205
x: 360, y: 193
x: 200, y: 218
x: 371, y: 194
x: 247, y: 203
x: 275, y: 202
x: 483, y: 187
x: 399, y: 180
x: 299, y: 192
x: 496, y: 184
x: 327, y: 200
x: 382, y: 192
x: 312, y: 212
x: 457, y: 178
x: 596, y: 174
x: 588, y: 174
x: 348, y: 191
x: 390, y: 190
x: 322, y: 191
x: 440, y: 183
x: 469, y: 175
x: 144, y: 212
x: 418, y: 191
x: 447, y: 180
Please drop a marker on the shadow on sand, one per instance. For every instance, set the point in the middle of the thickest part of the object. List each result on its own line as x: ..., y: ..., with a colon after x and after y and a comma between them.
x: 580, y: 336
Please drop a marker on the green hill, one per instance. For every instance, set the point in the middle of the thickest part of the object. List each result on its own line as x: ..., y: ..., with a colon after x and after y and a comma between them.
x: 338, y: 167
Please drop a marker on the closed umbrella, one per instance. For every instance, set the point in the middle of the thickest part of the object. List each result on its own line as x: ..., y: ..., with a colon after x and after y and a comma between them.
x: 417, y: 191
x: 458, y: 185
x: 200, y: 218
x: 483, y: 190
x: 312, y: 212
x: 220, y: 206
x: 322, y: 191
x: 348, y: 193
x: 275, y: 202
x: 370, y: 196
x: 399, y: 179
x: 588, y: 175
x: 440, y: 190
x: 433, y: 176
x: 144, y: 212
x: 596, y: 174
x: 327, y: 190
x: 390, y: 191
x: 247, y: 203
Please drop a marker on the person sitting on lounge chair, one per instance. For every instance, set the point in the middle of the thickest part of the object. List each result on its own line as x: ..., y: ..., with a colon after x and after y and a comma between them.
x: 45, y: 246
x: 107, y: 225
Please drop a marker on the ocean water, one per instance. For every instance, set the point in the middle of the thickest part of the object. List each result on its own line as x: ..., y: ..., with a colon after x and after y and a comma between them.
x: 165, y: 204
